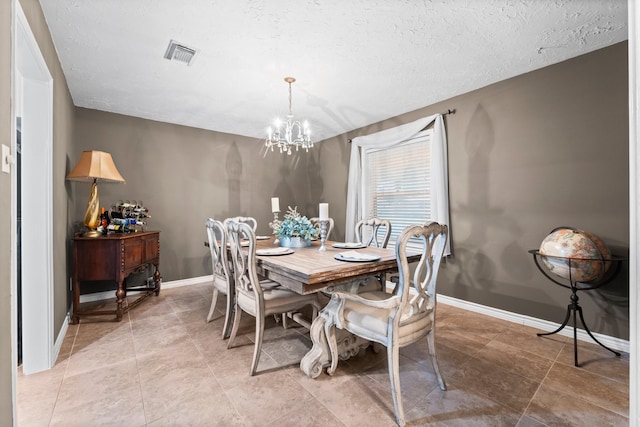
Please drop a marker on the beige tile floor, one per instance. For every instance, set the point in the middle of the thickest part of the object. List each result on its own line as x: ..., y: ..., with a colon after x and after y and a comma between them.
x: 164, y: 366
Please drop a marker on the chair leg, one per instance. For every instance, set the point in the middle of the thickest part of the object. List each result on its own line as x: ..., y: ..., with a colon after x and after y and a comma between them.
x: 393, y: 355
x: 236, y: 323
x: 431, y: 345
x: 226, y: 329
x: 258, y: 345
x: 214, y: 300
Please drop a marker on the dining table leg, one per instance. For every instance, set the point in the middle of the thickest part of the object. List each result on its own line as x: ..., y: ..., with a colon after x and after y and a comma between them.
x: 319, y: 357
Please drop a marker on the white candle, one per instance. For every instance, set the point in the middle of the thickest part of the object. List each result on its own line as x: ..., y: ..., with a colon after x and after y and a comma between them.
x: 275, y: 204
x: 324, y: 210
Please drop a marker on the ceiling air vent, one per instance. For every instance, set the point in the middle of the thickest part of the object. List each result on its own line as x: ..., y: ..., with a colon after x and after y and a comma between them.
x: 180, y: 53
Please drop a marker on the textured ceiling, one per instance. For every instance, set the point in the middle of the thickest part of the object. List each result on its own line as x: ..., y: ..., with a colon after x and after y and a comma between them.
x: 356, y: 61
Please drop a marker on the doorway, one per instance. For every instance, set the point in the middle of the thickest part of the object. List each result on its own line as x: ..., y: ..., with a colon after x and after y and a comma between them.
x: 33, y: 116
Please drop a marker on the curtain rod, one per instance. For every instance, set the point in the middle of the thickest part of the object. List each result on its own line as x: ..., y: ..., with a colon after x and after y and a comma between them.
x: 446, y: 113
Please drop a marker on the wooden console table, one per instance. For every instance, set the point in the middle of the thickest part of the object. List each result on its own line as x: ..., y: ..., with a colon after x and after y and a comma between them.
x: 114, y: 257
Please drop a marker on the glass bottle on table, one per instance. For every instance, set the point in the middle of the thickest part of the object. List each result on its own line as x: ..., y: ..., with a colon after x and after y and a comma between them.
x: 104, y: 220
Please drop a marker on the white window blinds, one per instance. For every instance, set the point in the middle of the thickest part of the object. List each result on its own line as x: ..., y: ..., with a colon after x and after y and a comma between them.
x: 397, y: 183
x: 436, y: 187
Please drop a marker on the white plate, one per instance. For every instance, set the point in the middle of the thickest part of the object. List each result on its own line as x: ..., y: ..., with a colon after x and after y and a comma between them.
x: 356, y: 257
x: 274, y: 251
x: 349, y: 245
x: 263, y: 237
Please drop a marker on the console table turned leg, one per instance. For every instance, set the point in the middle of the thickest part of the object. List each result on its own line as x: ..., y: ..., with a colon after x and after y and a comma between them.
x: 157, y: 279
x: 121, y: 293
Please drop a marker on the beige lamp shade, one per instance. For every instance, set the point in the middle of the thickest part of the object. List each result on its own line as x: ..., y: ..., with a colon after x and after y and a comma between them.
x: 94, y: 166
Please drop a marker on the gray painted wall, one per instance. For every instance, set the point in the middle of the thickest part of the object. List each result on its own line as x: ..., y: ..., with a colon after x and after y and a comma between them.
x: 185, y: 175
x: 526, y: 155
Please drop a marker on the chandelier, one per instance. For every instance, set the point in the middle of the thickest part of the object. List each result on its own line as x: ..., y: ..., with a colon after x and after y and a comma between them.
x: 289, y: 134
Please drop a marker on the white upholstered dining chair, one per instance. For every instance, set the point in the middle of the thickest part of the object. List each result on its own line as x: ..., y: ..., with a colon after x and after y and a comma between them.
x: 369, y: 228
x: 222, y: 273
x: 399, y: 319
x: 259, y: 298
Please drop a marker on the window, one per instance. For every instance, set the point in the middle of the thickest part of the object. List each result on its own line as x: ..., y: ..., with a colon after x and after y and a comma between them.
x: 396, y: 183
x: 400, y: 173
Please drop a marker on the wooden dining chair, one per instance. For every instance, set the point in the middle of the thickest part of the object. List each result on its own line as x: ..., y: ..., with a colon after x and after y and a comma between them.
x: 375, y: 232
x: 254, y: 225
x: 399, y: 319
x: 222, y: 272
x: 370, y: 229
x: 259, y: 298
x: 246, y: 219
x: 316, y: 223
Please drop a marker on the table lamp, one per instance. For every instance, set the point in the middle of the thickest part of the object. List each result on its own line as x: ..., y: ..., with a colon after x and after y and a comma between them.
x: 94, y: 166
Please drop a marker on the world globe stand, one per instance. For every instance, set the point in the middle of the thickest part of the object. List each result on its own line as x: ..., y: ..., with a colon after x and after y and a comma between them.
x: 575, y: 286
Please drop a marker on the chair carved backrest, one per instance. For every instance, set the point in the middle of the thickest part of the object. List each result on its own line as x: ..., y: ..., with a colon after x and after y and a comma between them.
x: 222, y: 270
x: 417, y: 292
x: 246, y: 219
x: 373, y: 226
x: 217, y: 237
x: 244, y: 262
x: 316, y: 223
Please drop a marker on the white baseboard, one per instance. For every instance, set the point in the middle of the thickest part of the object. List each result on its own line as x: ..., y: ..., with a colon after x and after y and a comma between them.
x: 59, y: 340
x: 543, y: 325
x: 98, y: 296
x: 187, y: 282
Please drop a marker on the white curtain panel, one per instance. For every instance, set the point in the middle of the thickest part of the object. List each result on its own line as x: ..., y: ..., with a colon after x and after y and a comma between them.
x: 388, y: 138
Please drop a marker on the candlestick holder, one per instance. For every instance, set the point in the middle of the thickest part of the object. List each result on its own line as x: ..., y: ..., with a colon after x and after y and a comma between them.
x: 324, y: 224
x: 275, y: 226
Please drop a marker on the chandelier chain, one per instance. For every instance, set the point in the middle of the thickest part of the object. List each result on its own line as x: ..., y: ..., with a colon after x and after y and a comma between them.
x: 290, y: 111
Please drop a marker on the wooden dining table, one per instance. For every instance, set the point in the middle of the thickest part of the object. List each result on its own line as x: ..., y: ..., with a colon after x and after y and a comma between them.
x: 308, y: 270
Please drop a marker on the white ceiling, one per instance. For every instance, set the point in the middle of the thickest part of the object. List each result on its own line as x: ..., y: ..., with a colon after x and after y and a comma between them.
x: 356, y: 61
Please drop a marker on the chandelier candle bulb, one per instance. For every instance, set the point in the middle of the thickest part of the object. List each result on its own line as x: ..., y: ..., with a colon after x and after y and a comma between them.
x: 324, y: 211
x: 275, y: 204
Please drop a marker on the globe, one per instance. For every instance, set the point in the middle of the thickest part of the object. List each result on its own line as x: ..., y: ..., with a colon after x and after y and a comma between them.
x: 580, y: 256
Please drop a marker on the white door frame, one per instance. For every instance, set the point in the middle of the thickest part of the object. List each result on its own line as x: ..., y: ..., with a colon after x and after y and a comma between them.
x: 32, y: 87
x: 634, y: 210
